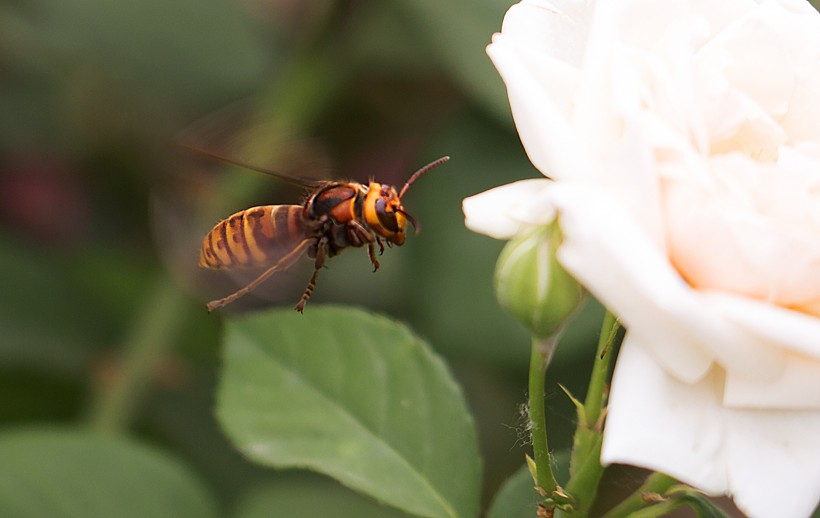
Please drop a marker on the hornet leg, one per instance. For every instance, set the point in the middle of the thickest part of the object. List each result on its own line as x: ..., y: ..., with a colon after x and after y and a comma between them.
x: 371, y: 250
x: 283, y: 264
x: 321, y: 250
x: 365, y: 236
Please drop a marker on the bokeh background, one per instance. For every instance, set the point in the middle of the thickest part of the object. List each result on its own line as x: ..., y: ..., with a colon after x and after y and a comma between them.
x: 101, y: 213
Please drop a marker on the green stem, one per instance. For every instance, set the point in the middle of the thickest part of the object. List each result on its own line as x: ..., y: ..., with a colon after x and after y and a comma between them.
x: 539, y: 360
x: 147, y: 342
x: 655, y: 484
x: 585, y: 465
x: 595, y: 400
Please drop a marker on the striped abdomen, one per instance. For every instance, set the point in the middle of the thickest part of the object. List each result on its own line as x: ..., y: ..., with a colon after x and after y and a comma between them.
x: 254, y: 237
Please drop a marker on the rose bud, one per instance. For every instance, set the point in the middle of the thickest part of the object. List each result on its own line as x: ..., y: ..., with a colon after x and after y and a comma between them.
x: 533, y: 286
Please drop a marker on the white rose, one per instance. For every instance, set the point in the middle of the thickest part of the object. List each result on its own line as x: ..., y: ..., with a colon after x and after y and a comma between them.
x: 683, y: 138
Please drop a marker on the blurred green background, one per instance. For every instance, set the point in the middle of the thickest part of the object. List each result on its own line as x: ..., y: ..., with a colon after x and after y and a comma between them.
x: 101, y: 216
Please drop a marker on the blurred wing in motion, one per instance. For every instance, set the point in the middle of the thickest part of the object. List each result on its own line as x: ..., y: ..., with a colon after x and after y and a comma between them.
x: 308, y: 183
x: 203, y: 188
x: 235, y: 136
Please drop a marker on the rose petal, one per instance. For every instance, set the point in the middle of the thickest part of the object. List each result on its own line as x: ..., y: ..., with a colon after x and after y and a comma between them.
x: 556, y: 28
x: 774, y: 462
x: 787, y: 329
x: 636, y: 281
x: 796, y: 388
x: 709, y: 17
x: 660, y: 423
x: 768, y: 461
x: 504, y: 211
x: 793, y: 348
x: 545, y: 132
x: 802, y: 121
x: 751, y: 229
x: 796, y: 6
x: 751, y: 52
x: 556, y: 79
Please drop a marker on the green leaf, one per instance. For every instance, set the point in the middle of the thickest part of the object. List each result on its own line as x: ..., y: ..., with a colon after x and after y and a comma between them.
x: 355, y: 396
x: 69, y: 473
x: 517, y: 497
x: 310, y: 495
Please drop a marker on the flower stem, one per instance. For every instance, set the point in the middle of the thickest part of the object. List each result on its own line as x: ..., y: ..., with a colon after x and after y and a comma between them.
x: 655, y: 484
x: 539, y: 360
x: 595, y: 400
x: 585, y: 465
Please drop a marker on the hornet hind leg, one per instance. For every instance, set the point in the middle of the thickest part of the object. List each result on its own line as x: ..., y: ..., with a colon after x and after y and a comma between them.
x: 321, y: 253
x: 283, y: 264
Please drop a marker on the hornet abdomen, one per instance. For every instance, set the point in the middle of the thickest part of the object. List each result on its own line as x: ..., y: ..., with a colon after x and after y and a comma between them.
x: 253, y: 237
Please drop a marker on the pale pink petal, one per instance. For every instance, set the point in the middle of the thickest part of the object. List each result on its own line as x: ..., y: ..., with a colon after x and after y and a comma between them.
x: 773, y: 462
x: 541, y: 120
x: 802, y: 121
x: 797, y: 387
x: 751, y: 52
x: 682, y: 332
x: 503, y: 212
x: 635, y: 280
x: 616, y: 66
x: 556, y: 28
x: 759, y: 79
x: 769, y: 461
x: 787, y: 329
x: 710, y: 17
x: 660, y: 423
x: 750, y: 229
x: 801, y: 7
